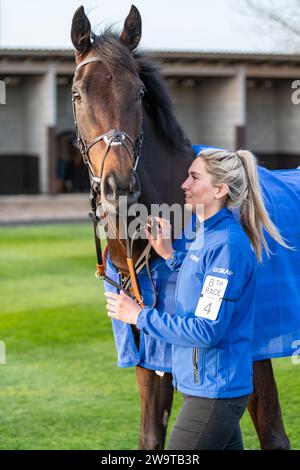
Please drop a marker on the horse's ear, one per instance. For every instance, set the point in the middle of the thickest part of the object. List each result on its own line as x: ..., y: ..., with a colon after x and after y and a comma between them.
x: 81, y: 31
x: 132, y: 31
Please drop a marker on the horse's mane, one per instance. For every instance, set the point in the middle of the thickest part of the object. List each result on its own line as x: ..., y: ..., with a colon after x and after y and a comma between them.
x: 156, y: 99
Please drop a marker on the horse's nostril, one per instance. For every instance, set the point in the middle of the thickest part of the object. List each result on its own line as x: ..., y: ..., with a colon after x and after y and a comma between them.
x: 113, y: 189
x: 131, y: 185
x: 110, y: 187
x: 134, y: 185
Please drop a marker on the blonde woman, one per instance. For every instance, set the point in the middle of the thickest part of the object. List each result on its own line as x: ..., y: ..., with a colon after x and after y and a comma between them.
x: 212, y: 328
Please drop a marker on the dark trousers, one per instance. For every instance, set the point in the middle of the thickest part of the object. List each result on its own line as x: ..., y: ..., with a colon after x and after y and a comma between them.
x: 209, y: 424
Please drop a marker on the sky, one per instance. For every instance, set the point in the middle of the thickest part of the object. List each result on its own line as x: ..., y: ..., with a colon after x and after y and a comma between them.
x: 204, y: 25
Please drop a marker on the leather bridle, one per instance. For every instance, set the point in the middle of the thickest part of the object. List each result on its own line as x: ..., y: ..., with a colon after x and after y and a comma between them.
x: 111, y: 138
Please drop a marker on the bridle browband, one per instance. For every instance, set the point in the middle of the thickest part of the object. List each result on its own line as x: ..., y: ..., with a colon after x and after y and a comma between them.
x: 111, y: 138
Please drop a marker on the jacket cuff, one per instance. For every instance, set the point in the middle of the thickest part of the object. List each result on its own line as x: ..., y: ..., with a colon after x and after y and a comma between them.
x: 141, y: 317
x: 176, y: 260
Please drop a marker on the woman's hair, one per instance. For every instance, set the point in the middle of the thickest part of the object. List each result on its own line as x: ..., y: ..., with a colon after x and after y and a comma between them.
x: 239, y: 171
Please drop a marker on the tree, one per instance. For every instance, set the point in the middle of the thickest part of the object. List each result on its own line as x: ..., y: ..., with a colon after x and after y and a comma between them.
x: 281, y: 17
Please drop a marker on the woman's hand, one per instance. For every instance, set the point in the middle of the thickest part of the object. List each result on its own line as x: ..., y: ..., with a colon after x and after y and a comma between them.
x: 121, y: 307
x: 162, y: 243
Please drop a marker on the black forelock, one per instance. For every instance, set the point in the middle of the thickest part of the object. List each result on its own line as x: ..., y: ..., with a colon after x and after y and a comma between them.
x: 114, y: 55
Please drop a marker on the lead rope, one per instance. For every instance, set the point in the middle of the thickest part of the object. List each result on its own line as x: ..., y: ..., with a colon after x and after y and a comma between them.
x: 143, y: 260
x: 134, y: 270
x: 101, y: 260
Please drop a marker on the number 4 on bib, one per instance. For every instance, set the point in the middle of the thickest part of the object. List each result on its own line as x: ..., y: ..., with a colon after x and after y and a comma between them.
x: 211, y: 297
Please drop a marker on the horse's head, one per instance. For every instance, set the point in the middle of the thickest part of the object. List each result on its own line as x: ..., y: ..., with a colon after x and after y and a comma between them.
x: 107, y: 102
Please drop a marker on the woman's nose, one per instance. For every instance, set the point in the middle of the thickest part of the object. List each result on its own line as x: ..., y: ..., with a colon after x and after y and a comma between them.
x: 184, y: 185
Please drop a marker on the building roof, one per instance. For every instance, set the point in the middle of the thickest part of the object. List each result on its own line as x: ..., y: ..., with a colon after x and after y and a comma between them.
x: 163, y: 55
x: 175, y: 64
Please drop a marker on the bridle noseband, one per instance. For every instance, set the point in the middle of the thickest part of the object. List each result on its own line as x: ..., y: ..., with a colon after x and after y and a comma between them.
x: 110, y: 138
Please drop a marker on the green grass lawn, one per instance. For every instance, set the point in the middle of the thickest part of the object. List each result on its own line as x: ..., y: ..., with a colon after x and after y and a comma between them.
x: 60, y: 387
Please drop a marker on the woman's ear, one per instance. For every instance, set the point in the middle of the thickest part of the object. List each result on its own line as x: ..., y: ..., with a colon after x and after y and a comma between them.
x: 221, y: 190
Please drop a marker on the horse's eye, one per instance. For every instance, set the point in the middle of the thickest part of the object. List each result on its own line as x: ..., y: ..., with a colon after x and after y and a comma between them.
x: 142, y: 93
x: 75, y: 95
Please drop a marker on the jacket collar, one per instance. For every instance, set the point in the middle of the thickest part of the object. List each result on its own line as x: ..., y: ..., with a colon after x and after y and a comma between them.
x: 213, y: 220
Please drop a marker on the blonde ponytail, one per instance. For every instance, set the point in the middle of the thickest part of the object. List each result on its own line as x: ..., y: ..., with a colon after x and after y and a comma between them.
x: 239, y: 171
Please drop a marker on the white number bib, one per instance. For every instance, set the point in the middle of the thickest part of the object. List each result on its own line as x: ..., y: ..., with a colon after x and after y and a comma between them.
x: 210, y: 300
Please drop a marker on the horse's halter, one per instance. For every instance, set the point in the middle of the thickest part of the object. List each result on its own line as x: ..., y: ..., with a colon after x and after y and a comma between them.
x: 110, y: 138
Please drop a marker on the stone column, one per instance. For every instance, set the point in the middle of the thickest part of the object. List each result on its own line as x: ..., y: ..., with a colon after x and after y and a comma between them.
x: 241, y: 118
x: 40, y: 122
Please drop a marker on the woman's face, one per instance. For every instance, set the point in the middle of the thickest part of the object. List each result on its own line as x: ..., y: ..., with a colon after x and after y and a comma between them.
x: 199, y: 189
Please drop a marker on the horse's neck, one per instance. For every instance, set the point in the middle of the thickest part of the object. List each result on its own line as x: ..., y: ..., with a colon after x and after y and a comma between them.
x: 162, y: 168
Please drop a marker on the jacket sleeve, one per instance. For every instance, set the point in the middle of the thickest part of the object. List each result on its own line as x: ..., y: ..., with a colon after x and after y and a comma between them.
x: 224, y: 262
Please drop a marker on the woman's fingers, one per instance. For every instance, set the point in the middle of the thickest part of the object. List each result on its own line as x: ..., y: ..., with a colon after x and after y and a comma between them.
x: 165, y: 227
x: 111, y: 295
x: 111, y: 314
x: 150, y: 237
x: 162, y: 241
x: 111, y: 303
x: 147, y: 233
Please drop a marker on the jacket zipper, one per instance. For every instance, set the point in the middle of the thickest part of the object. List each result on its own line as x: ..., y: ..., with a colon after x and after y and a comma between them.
x: 195, y: 364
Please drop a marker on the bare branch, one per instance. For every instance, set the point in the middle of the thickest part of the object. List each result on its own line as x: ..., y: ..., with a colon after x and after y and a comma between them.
x: 272, y: 12
x: 284, y: 15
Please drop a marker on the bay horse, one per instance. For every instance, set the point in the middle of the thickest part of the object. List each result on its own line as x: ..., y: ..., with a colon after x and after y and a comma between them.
x: 116, y: 87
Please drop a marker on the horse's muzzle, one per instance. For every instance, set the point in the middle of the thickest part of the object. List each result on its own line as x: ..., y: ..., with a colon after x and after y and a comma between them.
x: 113, y: 193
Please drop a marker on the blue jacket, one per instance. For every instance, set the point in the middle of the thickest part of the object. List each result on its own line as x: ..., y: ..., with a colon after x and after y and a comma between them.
x: 212, y: 329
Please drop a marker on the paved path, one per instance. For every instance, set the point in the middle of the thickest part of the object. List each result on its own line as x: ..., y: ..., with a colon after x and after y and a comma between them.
x: 43, y: 208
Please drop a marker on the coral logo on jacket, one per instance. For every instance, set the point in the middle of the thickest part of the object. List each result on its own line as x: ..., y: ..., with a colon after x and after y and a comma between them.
x: 223, y: 271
